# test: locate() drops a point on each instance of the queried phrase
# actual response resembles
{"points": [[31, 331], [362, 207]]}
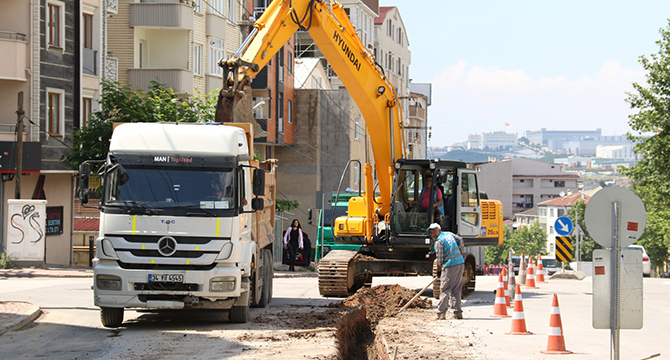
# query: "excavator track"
{"points": [[336, 276]]}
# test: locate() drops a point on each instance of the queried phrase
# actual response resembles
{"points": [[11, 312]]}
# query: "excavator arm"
{"points": [[329, 26]]}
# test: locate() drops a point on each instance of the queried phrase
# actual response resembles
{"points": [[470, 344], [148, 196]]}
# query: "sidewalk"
{"points": [[16, 314]]}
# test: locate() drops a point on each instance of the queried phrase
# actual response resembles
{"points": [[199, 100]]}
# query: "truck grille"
{"points": [[166, 287], [169, 250]]}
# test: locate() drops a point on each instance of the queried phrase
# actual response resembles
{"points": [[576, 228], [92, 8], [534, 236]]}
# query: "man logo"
{"points": [[167, 246]]}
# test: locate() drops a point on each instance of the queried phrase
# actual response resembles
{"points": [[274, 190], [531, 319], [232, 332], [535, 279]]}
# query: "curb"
{"points": [[42, 274], [22, 320]]}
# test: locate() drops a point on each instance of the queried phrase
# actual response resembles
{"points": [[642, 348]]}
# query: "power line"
{"points": [[49, 135]]}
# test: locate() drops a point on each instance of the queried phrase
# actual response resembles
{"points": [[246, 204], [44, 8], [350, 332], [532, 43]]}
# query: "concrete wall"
{"points": [[496, 180]]}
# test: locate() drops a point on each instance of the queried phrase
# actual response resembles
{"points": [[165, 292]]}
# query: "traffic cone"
{"points": [[504, 274], [500, 307], [522, 270], [556, 343], [518, 319], [530, 279], [540, 270]]}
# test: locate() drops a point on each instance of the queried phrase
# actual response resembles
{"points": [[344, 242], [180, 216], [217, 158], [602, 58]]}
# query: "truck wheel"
{"points": [[468, 279], [265, 274], [111, 317], [239, 314]]}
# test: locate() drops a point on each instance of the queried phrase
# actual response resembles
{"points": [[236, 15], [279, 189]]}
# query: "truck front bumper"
{"points": [[220, 287]]}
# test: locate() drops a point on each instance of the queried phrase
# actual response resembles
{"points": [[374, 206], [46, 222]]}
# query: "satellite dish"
{"points": [[562, 193]]}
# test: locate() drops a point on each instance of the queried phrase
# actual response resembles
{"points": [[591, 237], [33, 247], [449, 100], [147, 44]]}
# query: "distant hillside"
{"points": [[467, 156]]}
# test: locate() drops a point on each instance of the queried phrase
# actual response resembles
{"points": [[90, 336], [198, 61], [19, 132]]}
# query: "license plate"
{"points": [[170, 278]]}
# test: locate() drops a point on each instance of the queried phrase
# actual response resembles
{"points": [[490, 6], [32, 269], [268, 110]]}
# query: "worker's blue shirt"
{"points": [[447, 250]]}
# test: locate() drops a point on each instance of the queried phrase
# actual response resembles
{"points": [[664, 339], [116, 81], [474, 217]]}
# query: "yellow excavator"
{"points": [[390, 224]]}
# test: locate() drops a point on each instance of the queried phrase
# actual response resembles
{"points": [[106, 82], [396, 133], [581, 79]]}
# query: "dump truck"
{"points": [[186, 220]]}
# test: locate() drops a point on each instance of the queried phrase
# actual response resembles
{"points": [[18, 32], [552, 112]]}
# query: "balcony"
{"points": [[90, 62], [179, 80], [417, 111], [162, 14], [13, 62]]}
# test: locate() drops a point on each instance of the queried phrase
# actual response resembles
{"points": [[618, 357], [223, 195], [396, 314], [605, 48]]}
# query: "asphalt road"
{"points": [[71, 328]]}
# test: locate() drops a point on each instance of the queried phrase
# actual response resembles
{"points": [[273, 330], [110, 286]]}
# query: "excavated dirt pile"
{"points": [[384, 300]]}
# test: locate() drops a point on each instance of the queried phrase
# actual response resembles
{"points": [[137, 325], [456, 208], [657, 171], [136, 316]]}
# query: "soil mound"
{"points": [[384, 300]]}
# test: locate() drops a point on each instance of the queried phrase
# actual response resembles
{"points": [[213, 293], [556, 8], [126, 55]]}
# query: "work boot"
{"points": [[441, 317]]}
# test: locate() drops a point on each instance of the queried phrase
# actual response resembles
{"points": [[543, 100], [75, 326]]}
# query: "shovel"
{"points": [[416, 296]]}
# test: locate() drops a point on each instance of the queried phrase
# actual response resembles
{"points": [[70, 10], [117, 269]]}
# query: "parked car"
{"points": [[551, 265], [646, 262]]}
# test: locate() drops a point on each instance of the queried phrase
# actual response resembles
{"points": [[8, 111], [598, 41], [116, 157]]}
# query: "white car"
{"points": [[646, 263]]}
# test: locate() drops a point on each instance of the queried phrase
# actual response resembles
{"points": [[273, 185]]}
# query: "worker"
{"points": [[448, 252], [424, 198]]}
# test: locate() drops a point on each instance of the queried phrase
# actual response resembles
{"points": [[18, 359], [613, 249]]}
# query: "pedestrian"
{"points": [[293, 241], [450, 266], [307, 252]]}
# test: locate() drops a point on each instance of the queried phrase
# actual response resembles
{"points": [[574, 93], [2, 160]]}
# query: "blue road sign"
{"points": [[563, 226]]}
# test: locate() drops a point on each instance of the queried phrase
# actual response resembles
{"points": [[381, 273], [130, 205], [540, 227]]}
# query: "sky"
{"points": [[518, 65]]}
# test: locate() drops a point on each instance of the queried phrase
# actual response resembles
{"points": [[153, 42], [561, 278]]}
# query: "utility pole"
{"points": [[19, 145]]}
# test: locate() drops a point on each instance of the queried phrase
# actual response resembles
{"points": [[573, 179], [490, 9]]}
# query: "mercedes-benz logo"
{"points": [[167, 246]]}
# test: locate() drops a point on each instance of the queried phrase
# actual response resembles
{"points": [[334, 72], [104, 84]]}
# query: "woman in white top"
{"points": [[293, 241]]}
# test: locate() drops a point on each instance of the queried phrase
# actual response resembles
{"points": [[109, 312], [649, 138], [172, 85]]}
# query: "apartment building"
{"points": [[521, 184], [416, 133], [51, 51]]}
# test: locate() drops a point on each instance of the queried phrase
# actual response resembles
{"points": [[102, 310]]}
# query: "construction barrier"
{"points": [[493, 269]]}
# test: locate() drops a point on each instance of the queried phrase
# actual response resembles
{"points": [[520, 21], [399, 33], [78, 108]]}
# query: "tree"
{"points": [[530, 240], [587, 244], [497, 255], [120, 104], [650, 133]]}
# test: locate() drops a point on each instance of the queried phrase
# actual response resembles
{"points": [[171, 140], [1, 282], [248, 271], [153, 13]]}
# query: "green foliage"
{"points": [[286, 205], [530, 240], [587, 244], [497, 255], [6, 262], [650, 133], [120, 104]]}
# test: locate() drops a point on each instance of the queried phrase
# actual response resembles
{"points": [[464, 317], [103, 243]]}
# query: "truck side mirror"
{"points": [[309, 216], [259, 182], [257, 204], [84, 171]]}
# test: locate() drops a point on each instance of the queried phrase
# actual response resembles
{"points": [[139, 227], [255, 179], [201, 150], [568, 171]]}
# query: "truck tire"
{"points": [[111, 317], [266, 273], [239, 314]]}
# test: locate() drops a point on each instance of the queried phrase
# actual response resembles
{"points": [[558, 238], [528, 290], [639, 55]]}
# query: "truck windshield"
{"points": [[155, 189]]}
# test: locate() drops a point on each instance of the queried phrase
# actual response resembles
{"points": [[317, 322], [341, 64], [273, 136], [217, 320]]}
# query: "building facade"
{"points": [[549, 211], [521, 184], [416, 133]]}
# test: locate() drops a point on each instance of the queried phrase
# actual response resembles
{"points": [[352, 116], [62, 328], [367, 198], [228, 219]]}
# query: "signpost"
{"points": [[563, 226], [624, 226], [564, 248]]}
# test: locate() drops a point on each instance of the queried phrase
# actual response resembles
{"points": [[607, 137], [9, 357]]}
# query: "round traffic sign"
{"points": [[632, 215], [563, 226]]}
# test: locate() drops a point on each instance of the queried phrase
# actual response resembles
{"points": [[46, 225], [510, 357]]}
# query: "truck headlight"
{"points": [[108, 282], [221, 284]]}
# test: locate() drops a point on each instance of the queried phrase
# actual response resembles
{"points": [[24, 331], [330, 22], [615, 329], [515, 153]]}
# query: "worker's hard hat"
{"points": [[434, 226]]}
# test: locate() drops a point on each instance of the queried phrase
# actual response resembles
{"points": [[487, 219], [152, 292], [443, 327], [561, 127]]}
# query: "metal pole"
{"points": [[323, 209], [90, 251], [578, 251], [19, 145], [614, 308]]}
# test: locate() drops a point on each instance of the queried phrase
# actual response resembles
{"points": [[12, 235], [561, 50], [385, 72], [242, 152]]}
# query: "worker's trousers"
{"points": [[450, 289]]}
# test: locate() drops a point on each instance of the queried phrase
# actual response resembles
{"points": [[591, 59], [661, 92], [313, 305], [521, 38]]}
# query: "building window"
{"points": [[216, 53], [559, 183], [55, 23], [399, 67], [289, 65], [389, 28], [55, 108], [280, 65], [197, 5], [86, 110], [551, 212], [289, 111], [217, 7], [357, 173], [280, 113], [231, 10], [197, 59], [88, 31], [357, 127], [142, 54]]}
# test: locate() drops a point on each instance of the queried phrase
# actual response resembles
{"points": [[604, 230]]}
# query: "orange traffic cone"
{"points": [[500, 307], [504, 274], [518, 319], [540, 270], [556, 343], [522, 270], [530, 279]]}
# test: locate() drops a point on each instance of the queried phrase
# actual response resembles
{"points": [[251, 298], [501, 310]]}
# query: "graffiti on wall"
{"points": [[27, 219]]}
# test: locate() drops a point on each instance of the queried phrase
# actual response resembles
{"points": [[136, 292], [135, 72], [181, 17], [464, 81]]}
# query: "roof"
{"points": [[568, 200], [576, 176], [530, 212], [86, 224], [382, 14]]}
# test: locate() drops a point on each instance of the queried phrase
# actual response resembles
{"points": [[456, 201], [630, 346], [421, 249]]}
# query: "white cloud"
{"points": [[475, 99]]}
